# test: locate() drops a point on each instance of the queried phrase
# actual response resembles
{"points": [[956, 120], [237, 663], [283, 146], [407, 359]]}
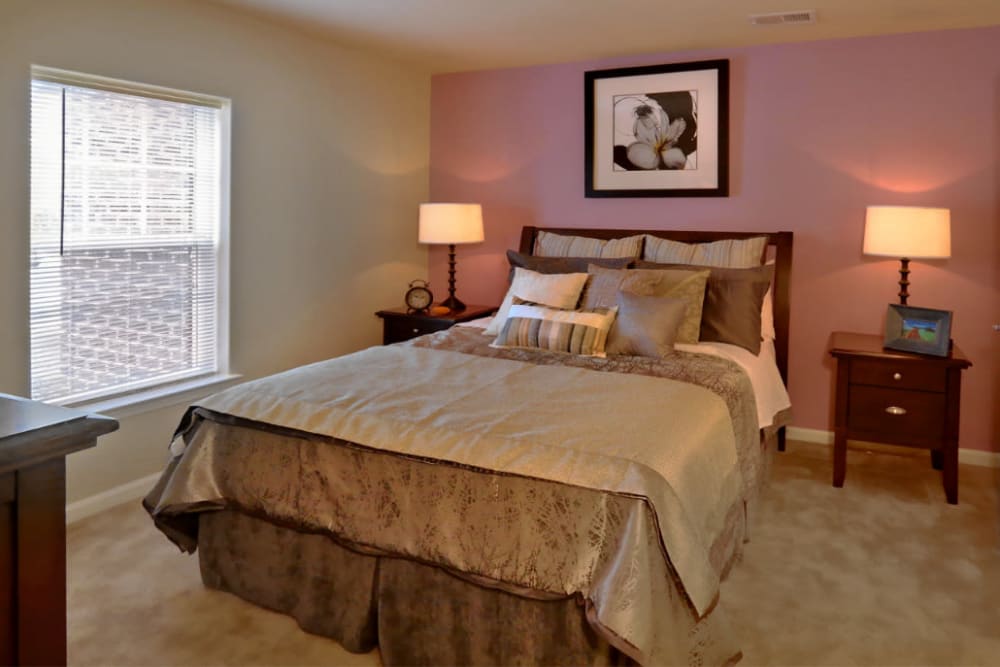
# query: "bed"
{"points": [[455, 502]]}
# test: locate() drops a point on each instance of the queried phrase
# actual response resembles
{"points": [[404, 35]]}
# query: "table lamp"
{"points": [[907, 232], [451, 224]]}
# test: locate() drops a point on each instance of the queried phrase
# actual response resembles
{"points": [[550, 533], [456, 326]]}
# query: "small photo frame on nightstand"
{"points": [[920, 330]]}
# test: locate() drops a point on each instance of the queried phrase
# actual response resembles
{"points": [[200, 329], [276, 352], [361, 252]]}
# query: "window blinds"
{"points": [[125, 238]]}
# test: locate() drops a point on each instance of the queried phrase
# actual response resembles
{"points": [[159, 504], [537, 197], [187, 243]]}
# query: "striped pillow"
{"points": [[548, 244], [583, 332], [731, 253]]}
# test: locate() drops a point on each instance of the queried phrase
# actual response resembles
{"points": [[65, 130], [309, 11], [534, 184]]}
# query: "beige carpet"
{"points": [[881, 572]]}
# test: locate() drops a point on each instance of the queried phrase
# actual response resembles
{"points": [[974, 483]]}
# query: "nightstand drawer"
{"points": [[399, 329], [898, 374], [896, 413]]}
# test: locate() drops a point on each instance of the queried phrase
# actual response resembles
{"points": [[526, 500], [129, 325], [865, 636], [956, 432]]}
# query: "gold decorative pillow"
{"points": [[684, 284]]}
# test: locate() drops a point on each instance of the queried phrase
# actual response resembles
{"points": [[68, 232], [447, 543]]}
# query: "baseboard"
{"points": [[104, 500], [974, 457]]}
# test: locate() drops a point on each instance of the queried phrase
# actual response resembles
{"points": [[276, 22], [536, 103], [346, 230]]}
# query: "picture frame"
{"points": [[657, 131], [920, 330]]}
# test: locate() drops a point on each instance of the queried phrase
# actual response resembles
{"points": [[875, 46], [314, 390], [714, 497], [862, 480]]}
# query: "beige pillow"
{"points": [[646, 325], [559, 290], [732, 253], [684, 284], [548, 244]]}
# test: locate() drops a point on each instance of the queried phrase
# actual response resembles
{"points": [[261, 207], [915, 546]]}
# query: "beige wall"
{"points": [[329, 161]]}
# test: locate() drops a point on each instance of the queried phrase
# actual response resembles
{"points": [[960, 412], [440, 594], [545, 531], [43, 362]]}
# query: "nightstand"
{"points": [[398, 324], [898, 398]]}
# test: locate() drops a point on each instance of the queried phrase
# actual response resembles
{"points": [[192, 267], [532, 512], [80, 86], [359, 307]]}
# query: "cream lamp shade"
{"points": [[451, 223], [908, 231]]}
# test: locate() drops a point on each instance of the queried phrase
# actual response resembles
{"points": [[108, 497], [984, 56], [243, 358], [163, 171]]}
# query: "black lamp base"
{"points": [[453, 304], [904, 283]]}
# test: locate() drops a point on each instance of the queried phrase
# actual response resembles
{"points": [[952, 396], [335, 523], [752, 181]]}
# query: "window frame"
{"points": [[174, 391]]}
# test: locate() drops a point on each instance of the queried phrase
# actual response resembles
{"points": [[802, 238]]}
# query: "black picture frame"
{"points": [[920, 330], [652, 99]]}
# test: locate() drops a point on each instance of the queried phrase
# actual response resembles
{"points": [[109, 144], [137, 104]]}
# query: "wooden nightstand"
{"points": [[898, 398], [398, 324]]}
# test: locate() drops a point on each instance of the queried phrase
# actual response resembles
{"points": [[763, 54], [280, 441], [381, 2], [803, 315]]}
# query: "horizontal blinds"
{"points": [[125, 221]]}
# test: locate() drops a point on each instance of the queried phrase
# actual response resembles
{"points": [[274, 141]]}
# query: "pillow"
{"points": [[767, 331], [583, 332], [561, 290], [646, 326], [687, 284], [767, 313], [548, 244], [562, 264], [734, 299], [732, 253]]}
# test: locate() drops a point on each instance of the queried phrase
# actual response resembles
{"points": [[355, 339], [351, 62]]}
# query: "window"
{"points": [[128, 236]]}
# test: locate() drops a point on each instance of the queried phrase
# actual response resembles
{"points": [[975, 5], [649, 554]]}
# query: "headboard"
{"points": [[779, 242]]}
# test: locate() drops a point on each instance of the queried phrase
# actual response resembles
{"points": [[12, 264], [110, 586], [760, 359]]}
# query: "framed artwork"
{"points": [[922, 330], [657, 131]]}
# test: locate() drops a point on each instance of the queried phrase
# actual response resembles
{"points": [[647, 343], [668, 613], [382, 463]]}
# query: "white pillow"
{"points": [[729, 253], [548, 244], [559, 290], [767, 316]]}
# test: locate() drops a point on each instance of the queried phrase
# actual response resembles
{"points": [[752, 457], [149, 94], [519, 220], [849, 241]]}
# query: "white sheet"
{"points": [[762, 369]]}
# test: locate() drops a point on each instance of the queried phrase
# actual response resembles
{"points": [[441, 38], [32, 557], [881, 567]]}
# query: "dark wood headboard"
{"points": [[780, 242]]}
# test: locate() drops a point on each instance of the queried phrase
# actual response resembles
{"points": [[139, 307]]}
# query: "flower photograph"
{"points": [[656, 130]]}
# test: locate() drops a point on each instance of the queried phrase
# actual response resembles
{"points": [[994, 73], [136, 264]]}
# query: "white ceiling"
{"points": [[456, 35]]}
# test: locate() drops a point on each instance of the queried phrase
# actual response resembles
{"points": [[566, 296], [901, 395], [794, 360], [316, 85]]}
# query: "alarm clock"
{"points": [[419, 297]]}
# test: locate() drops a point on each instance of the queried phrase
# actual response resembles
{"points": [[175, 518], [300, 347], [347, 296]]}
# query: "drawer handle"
{"points": [[897, 376], [416, 331], [894, 410]]}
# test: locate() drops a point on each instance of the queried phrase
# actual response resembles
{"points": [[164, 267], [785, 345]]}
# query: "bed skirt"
{"points": [[416, 614]]}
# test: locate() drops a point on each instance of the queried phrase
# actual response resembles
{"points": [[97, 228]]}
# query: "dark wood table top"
{"points": [[470, 313], [870, 345], [31, 432]]}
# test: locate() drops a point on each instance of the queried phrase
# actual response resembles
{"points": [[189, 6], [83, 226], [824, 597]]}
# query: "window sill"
{"points": [[159, 397]]}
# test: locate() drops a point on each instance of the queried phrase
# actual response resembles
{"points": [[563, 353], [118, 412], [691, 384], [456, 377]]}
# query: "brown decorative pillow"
{"points": [[733, 300], [687, 284], [646, 325], [552, 265]]}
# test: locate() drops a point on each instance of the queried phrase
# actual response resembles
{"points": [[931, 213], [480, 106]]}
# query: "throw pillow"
{"points": [[560, 290], [646, 326], [732, 253], [548, 244], [583, 332]]}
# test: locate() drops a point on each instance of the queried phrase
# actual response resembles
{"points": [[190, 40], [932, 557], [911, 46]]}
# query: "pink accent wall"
{"points": [[818, 130]]}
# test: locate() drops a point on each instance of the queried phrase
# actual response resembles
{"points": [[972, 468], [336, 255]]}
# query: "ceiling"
{"points": [[457, 35]]}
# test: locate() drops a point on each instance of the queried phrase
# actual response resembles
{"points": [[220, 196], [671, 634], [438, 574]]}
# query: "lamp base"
{"points": [[904, 283], [453, 304]]}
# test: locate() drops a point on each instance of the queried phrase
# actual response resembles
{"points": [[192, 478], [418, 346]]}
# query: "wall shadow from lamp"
{"points": [[905, 233], [451, 224]]}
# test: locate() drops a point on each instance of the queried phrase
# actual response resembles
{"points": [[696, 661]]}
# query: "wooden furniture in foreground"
{"points": [[34, 441], [399, 324], [898, 398]]}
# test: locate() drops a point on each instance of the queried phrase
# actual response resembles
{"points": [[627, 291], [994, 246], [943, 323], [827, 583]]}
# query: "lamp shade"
{"points": [[451, 223], [907, 231]]}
